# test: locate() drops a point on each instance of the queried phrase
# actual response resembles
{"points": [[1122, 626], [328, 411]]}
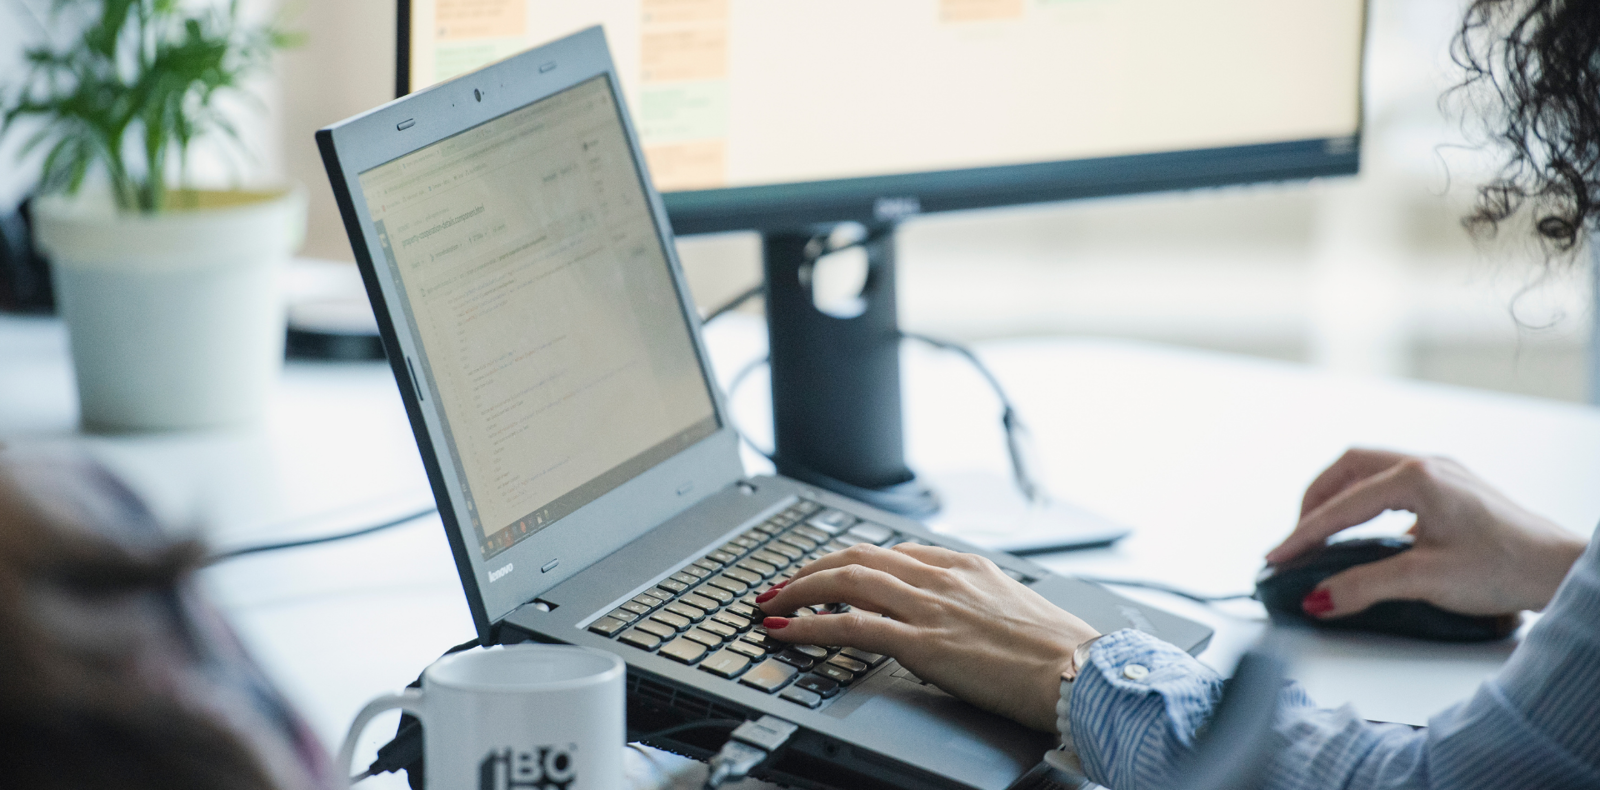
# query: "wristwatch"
{"points": [[1080, 656]]}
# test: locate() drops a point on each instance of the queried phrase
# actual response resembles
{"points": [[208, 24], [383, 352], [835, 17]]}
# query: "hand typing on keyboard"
{"points": [[955, 620]]}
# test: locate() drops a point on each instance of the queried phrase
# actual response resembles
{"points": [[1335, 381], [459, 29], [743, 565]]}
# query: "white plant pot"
{"points": [[176, 320]]}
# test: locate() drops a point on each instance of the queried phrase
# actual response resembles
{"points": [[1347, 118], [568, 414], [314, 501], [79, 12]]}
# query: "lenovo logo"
{"points": [[496, 575]]}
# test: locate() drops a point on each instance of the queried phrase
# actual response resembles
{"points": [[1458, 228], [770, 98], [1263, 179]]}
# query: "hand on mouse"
{"points": [[1476, 552], [955, 620]]}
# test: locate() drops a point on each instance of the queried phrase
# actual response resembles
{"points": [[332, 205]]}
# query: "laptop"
{"points": [[523, 274]]}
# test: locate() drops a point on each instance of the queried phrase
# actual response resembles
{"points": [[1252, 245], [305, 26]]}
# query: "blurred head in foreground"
{"points": [[112, 672]]}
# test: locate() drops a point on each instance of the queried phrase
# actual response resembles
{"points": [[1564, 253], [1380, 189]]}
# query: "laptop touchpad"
{"points": [[896, 714]]}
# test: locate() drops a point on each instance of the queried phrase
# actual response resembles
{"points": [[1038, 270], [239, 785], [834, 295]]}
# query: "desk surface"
{"points": [[1204, 454]]}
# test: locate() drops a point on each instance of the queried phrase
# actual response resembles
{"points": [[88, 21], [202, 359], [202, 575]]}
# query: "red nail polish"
{"points": [[767, 596], [1318, 603], [781, 585], [775, 623]]}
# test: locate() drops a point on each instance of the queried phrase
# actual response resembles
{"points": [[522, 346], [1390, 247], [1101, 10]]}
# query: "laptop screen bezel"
{"points": [[541, 561]]}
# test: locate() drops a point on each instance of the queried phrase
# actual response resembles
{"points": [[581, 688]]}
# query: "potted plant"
{"points": [[170, 293]]}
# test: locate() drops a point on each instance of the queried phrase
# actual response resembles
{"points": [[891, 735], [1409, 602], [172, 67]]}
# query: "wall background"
{"points": [[1370, 275]]}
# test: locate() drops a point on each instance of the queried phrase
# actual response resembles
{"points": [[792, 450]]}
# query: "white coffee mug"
{"points": [[523, 717]]}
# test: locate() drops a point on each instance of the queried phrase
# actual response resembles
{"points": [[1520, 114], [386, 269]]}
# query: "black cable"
{"points": [[1009, 419], [733, 386], [733, 304], [1166, 588], [294, 544]]}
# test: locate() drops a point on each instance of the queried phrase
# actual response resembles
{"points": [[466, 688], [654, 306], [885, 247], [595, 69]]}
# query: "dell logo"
{"points": [[890, 209], [496, 575]]}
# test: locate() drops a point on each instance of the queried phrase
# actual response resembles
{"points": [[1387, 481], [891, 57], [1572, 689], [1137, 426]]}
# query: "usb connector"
{"points": [[748, 747]]}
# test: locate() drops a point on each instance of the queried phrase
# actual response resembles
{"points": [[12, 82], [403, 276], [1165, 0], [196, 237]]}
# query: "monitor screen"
{"points": [[544, 308], [758, 97]]}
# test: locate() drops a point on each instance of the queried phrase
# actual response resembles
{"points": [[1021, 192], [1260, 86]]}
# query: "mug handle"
{"points": [[408, 700]]}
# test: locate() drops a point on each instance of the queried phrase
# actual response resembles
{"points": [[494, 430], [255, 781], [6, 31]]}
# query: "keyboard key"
{"points": [[837, 674], [607, 626], [716, 593], [771, 527], [677, 621], [683, 649], [770, 557], [657, 592], [747, 649], [636, 607], [725, 663], [720, 629], [698, 601], [722, 557], [816, 536], [787, 550], [685, 578], [704, 637], [761, 640], [648, 600], [749, 578], [848, 663], [674, 586], [623, 614], [746, 611], [796, 660], [694, 613], [800, 696], [637, 638], [847, 540], [873, 533], [769, 676], [816, 684], [757, 569], [750, 601], [813, 651], [728, 582], [870, 659], [905, 674], [696, 571], [709, 564], [755, 535], [733, 549], [732, 620], [832, 522], [805, 507], [837, 545], [658, 628]]}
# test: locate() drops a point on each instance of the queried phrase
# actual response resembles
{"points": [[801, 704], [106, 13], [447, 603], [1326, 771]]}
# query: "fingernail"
{"points": [[775, 623], [767, 596], [1318, 603], [781, 585]]}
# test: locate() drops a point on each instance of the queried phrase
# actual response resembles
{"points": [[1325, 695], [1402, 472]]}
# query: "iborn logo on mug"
{"points": [[560, 706], [540, 768]]}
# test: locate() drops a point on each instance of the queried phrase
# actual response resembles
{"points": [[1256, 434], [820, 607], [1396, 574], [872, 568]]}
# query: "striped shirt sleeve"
{"points": [[1136, 707]]}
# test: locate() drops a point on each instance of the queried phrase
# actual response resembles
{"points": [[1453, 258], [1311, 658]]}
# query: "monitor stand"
{"points": [[837, 421], [836, 381]]}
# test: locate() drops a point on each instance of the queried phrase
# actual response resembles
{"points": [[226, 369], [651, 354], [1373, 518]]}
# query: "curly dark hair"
{"points": [[1540, 62]]}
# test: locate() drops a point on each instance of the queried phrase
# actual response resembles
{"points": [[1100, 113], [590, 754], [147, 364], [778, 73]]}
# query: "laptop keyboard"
{"points": [[705, 615]]}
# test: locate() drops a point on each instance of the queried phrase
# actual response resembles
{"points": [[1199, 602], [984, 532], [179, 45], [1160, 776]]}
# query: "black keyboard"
{"points": [[705, 614]]}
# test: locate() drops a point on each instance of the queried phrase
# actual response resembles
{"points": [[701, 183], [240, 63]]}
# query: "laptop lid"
{"points": [[535, 316]]}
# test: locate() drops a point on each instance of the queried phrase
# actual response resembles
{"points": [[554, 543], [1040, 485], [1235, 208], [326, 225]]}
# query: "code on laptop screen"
{"points": [[537, 288]]}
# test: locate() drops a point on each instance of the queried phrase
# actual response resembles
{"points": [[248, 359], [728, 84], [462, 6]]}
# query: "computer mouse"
{"points": [[1283, 587]]}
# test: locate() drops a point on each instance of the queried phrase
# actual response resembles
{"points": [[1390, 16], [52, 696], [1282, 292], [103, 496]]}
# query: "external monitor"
{"points": [[777, 114], [790, 116]]}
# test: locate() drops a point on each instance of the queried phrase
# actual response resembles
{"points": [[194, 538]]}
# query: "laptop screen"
{"points": [[545, 309]]}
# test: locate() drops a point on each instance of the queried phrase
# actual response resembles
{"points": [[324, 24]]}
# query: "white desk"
{"points": [[1204, 454]]}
